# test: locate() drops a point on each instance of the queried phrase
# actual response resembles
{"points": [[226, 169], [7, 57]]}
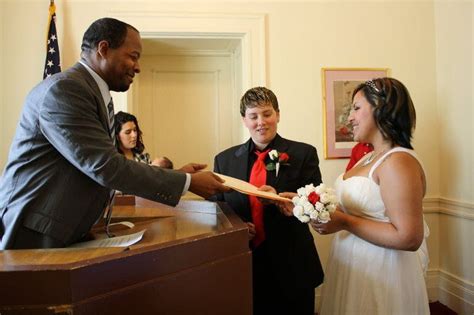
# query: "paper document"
{"points": [[249, 189], [118, 241]]}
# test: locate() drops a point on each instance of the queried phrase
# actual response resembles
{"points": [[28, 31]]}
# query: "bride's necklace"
{"points": [[372, 156]]}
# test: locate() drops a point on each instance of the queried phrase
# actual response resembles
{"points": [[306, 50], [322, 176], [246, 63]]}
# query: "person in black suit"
{"points": [[286, 266]]}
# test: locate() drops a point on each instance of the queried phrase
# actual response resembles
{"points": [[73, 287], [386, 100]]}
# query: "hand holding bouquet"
{"points": [[314, 203]]}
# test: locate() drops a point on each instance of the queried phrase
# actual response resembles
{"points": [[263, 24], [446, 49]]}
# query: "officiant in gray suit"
{"points": [[63, 165]]}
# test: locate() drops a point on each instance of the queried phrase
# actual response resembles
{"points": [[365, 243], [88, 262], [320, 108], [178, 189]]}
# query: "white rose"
{"points": [[331, 207], [324, 217], [301, 191], [314, 215], [319, 206], [308, 189], [304, 219], [308, 207], [333, 199], [298, 211], [303, 200], [324, 198], [273, 154], [320, 189], [295, 200]]}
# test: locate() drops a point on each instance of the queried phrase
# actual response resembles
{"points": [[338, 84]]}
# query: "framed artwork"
{"points": [[338, 85]]}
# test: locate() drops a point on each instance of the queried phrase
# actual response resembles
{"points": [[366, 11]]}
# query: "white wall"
{"points": [[426, 44], [454, 51], [455, 131]]}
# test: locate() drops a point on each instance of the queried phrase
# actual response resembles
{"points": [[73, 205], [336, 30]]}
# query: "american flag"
{"points": [[52, 64]]}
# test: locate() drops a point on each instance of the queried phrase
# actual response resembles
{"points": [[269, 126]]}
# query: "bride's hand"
{"points": [[334, 225]]}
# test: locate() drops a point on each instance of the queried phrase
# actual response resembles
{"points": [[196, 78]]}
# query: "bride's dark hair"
{"points": [[394, 112]]}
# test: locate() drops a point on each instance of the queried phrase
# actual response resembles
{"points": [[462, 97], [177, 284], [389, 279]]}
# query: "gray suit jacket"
{"points": [[62, 163]]}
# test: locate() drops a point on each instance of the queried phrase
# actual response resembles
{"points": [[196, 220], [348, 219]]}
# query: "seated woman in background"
{"points": [[129, 141]]}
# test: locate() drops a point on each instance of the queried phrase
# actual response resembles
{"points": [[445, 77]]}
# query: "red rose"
{"points": [[313, 197], [283, 157]]}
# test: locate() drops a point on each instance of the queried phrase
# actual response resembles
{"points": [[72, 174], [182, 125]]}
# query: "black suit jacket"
{"points": [[292, 255]]}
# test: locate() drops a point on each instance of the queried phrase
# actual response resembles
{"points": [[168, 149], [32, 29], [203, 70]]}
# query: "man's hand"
{"points": [[206, 184], [286, 208], [252, 231], [270, 189], [192, 168]]}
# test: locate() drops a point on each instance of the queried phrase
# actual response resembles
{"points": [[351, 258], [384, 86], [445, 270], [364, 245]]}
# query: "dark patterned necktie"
{"points": [[258, 177], [111, 114]]}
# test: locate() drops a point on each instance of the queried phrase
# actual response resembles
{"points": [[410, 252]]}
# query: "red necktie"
{"points": [[258, 177]]}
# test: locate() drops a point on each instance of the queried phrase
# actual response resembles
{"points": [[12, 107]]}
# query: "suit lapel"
{"points": [[101, 106], [281, 145], [240, 168]]}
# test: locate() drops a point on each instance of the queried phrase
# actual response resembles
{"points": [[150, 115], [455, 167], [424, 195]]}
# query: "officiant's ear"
{"points": [[102, 48]]}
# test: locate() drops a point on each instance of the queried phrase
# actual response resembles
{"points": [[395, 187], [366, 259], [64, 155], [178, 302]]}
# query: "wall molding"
{"points": [[456, 293], [450, 207], [248, 28]]}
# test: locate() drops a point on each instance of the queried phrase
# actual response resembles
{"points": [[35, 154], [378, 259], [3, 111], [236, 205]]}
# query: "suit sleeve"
{"points": [[69, 118], [310, 172]]}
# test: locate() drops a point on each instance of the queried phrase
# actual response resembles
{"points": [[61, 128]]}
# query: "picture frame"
{"points": [[338, 85]]}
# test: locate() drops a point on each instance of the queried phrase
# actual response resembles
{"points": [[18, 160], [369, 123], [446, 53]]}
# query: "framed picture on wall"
{"points": [[338, 85]]}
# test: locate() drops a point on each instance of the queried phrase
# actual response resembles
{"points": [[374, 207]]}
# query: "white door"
{"points": [[184, 106]]}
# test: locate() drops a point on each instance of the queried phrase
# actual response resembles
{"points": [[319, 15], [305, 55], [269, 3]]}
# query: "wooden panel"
{"points": [[156, 275]]}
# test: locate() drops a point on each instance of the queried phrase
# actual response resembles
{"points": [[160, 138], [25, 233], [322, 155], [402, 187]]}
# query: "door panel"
{"points": [[184, 107]]}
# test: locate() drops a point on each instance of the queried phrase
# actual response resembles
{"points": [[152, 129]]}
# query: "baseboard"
{"points": [[450, 290]]}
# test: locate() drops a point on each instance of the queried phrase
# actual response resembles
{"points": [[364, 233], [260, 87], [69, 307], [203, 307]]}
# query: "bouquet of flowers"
{"points": [[314, 203]]}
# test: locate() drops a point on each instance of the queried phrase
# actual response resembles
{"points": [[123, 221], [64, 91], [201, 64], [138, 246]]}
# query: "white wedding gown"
{"points": [[363, 278]]}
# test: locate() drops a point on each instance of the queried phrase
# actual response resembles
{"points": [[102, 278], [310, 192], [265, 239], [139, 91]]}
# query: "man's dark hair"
{"points": [[111, 30], [258, 96]]}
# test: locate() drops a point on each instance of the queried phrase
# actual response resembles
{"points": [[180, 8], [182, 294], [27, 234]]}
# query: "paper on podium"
{"points": [[118, 241], [249, 189]]}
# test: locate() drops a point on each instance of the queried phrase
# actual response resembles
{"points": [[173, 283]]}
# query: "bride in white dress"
{"points": [[378, 255]]}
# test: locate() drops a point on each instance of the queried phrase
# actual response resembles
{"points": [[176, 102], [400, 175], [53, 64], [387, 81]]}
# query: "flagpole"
{"points": [[52, 10]]}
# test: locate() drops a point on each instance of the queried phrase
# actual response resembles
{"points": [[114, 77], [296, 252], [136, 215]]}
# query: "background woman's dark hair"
{"points": [[394, 112], [111, 30], [258, 96], [122, 118]]}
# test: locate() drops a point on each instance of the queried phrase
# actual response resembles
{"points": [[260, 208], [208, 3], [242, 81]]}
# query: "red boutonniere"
{"points": [[277, 159]]}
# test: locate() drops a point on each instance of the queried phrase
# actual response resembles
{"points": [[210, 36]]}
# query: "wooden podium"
{"points": [[193, 259]]}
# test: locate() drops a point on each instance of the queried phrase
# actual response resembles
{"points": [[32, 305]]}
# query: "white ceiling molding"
{"points": [[250, 29]]}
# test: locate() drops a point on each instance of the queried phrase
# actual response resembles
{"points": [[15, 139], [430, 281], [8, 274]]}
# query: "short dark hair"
{"points": [[394, 112], [111, 30], [120, 119], [258, 96]]}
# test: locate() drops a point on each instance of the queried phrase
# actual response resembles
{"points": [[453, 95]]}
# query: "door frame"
{"points": [[248, 28]]}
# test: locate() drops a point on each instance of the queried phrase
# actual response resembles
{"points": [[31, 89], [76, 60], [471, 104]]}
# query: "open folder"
{"points": [[249, 189]]}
